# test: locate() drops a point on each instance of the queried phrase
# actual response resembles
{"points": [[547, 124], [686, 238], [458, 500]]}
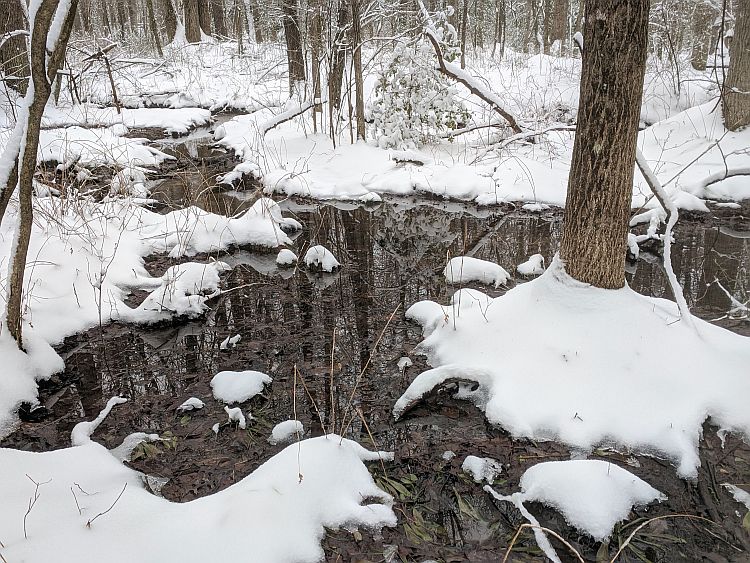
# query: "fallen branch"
{"points": [[459, 75], [291, 113], [672, 215]]}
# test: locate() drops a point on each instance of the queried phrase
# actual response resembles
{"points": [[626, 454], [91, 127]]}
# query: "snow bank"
{"points": [[183, 292], [177, 121], [557, 359], [278, 513], [592, 495], [238, 386], [286, 258], [463, 269], [285, 431]]}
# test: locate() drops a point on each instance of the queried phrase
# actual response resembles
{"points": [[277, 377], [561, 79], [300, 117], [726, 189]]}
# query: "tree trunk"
{"points": [[316, 45], [357, 60], [294, 54], [464, 15], [204, 16], [257, 28], [43, 70], [14, 58], [600, 185], [154, 27], [736, 95], [701, 35], [336, 65], [217, 15], [192, 23], [170, 19]]}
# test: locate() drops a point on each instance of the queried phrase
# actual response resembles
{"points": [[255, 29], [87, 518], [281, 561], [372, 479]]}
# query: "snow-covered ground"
{"points": [[559, 360]]}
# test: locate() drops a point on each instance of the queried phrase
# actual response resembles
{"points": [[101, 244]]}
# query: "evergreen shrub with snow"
{"points": [[413, 103]]}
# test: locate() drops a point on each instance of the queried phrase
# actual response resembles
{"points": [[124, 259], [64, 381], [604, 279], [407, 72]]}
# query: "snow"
{"points": [[238, 386], [534, 266], [319, 258], [463, 269], [286, 258], [592, 495], [286, 431], [557, 359], [191, 404], [278, 513], [183, 292], [403, 363], [235, 415], [230, 342], [174, 121], [481, 468], [740, 495]]}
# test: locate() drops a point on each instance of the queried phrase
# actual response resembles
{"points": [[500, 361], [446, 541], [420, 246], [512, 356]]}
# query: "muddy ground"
{"points": [[331, 328]]}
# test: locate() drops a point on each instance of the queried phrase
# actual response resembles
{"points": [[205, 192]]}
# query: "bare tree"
{"points": [[218, 18], [23, 146], [601, 173], [736, 94], [702, 34], [204, 16]]}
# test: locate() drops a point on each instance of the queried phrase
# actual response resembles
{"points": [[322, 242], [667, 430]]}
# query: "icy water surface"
{"points": [[332, 343]]}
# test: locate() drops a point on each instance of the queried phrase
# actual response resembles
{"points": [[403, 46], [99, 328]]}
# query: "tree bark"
{"points": [[154, 27], [736, 94], [702, 34], [170, 19], [192, 22], [336, 64], [464, 22], [204, 16], [359, 104], [217, 15], [294, 54], [601, 174], [14, 58]]}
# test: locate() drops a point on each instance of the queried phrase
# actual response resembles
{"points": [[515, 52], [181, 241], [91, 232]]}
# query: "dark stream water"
{"points": [[332, 328]]}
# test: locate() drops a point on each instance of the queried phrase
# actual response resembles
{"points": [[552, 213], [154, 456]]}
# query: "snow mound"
{"points": [[183, 291], [192, 404], [285, 431], [534, 266], [481, 468], [462, 269], [230, 342], [235, 415], [592, 495], [320, 258], [278, 513], [286, 258], [557, 359], [238, 386]]}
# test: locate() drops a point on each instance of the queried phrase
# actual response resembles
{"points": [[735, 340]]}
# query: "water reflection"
{"points": [[392, 256]]}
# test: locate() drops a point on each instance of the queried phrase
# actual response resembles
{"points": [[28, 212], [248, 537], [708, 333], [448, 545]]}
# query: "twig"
{"points": [[88, 524], [647, 522], [542, 528], [32, 501]]}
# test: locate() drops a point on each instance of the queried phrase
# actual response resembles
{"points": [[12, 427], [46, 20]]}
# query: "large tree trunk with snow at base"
{"points": [[736, 96], [601, 173]]}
